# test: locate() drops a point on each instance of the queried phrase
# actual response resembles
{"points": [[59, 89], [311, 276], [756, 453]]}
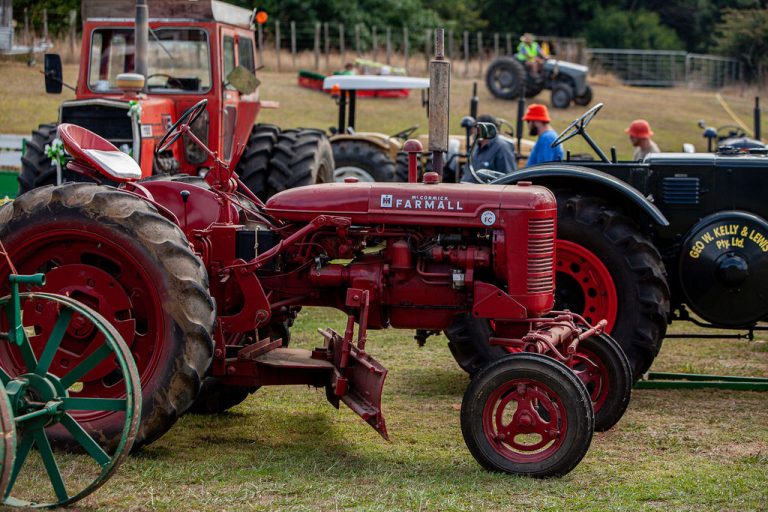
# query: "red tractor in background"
{"points": [[203, 281], [137, 77]]}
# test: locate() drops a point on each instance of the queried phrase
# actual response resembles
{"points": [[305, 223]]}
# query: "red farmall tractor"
{"points": [[136, 77], [203, 282]]}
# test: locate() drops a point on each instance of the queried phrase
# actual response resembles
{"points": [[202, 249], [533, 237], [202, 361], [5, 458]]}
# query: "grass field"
{"points": [[287, 449], [673, 113]]}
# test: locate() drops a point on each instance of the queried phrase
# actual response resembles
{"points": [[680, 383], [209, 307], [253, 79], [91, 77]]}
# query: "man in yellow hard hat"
{"points": [[530, 54]]}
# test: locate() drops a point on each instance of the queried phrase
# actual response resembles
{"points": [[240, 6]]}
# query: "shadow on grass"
{"points": [[431, 381]]}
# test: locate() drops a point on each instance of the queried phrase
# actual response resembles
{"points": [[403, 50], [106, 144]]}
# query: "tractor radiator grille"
{"points": [[680, 190], [110, 122], [541, 251]]}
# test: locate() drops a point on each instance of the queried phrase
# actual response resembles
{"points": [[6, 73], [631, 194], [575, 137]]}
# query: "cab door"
{"points": [[230, 96]]}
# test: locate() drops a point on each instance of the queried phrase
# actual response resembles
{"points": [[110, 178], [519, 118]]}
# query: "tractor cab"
{"points": [[191, 51]]}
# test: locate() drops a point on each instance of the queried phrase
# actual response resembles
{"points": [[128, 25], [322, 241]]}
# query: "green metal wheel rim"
{"points": [[31, 420], [8, 443]]}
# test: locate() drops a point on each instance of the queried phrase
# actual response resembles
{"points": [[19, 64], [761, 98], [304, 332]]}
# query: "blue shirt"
{"points": [[542, 152], [498, 155]]}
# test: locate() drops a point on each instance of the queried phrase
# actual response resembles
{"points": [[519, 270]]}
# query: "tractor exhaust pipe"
{"points": [[757, 118], [141, 38], [439, 102]]}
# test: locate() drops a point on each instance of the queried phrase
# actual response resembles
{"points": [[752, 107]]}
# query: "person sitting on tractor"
{"points": [[538, 120], [496, 154], [530, 54], [640, 134]]}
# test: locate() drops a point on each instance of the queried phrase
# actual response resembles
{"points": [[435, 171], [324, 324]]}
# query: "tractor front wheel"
{"points": [[37, 169], [115, 253], [527, 414]]}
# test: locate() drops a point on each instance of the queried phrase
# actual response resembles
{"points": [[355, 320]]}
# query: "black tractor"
{"points": [[642, 243]]}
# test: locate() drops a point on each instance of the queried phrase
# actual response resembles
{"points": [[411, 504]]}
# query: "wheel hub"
{"points": [[98, 290]]}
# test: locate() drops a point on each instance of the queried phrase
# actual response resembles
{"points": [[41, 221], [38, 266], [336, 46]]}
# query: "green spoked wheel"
{"points": [[8, 441], [46, 396]]}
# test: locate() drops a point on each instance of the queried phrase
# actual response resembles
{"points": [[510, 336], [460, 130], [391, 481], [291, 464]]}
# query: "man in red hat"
{"points": [[538, 120], [640, 134]]}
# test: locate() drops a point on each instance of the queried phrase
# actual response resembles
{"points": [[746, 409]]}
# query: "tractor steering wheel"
{"points": [[404, 134], [730, 131], [182, 125], [578, 125]]}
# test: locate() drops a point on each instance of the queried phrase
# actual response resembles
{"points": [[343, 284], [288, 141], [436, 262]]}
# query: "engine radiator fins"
{"points": [[541, 250], [680, 190]]}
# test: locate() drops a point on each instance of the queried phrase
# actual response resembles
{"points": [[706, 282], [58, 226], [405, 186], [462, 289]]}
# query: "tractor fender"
{"points": [[382, 140], [584, 178]]}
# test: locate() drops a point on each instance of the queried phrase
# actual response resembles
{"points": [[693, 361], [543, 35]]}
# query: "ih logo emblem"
{"points": [[386, 200]]}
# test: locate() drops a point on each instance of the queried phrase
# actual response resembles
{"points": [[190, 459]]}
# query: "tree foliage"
{"points": [[640, 29], [743, 34]]}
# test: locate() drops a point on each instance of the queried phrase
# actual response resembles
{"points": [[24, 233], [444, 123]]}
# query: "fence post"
{"points": [[317, 46], [277, 43], [374, 43], [342, 46], [480, 54], [293, 43], [260, 40], [466, 54], [428, 47], [389, 46], [327, 46], [72, 30], [495, 45], [509, 43], [45, 25], [357, 40], [406, 47], [450, 44]]}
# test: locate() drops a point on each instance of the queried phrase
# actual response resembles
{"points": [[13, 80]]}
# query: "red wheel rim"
{"points": [[93, 266], [584, 285], [591, 370], [524, 421]]}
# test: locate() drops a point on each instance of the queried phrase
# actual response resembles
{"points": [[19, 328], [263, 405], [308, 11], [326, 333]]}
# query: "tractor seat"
{"points": [[89, 149]]}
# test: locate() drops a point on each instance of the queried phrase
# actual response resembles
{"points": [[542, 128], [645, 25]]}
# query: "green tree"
{"points": [[640, 29], [743, 34], [58, 13]]}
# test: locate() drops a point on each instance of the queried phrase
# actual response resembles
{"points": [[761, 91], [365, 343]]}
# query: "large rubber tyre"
{"points": [[562, 95], [37, 169], [253, 167], [608, 269], [362, 160], [584, 99], [603, 368], [548, 400], [114, 252], [533, 85], [468, 341], [301, 157], [505, 78], [401, 168]]}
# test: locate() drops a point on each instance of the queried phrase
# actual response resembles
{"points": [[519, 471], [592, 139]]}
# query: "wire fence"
{"points": [[325, 47], [666, 68]]}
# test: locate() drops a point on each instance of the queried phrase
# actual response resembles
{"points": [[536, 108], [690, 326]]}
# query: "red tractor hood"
{"points": [[444, 204]]}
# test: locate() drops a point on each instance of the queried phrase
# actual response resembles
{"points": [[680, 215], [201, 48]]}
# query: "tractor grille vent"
{"points": [[680, 190], [541, 251]]}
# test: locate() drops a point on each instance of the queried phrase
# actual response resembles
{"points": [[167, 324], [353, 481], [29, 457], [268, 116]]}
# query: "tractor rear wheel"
{"points": [[253, 167], [115, 253], [505, 78], [362, 160], [606, 268], [468, 341], [36, 166], [301, 157]]}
